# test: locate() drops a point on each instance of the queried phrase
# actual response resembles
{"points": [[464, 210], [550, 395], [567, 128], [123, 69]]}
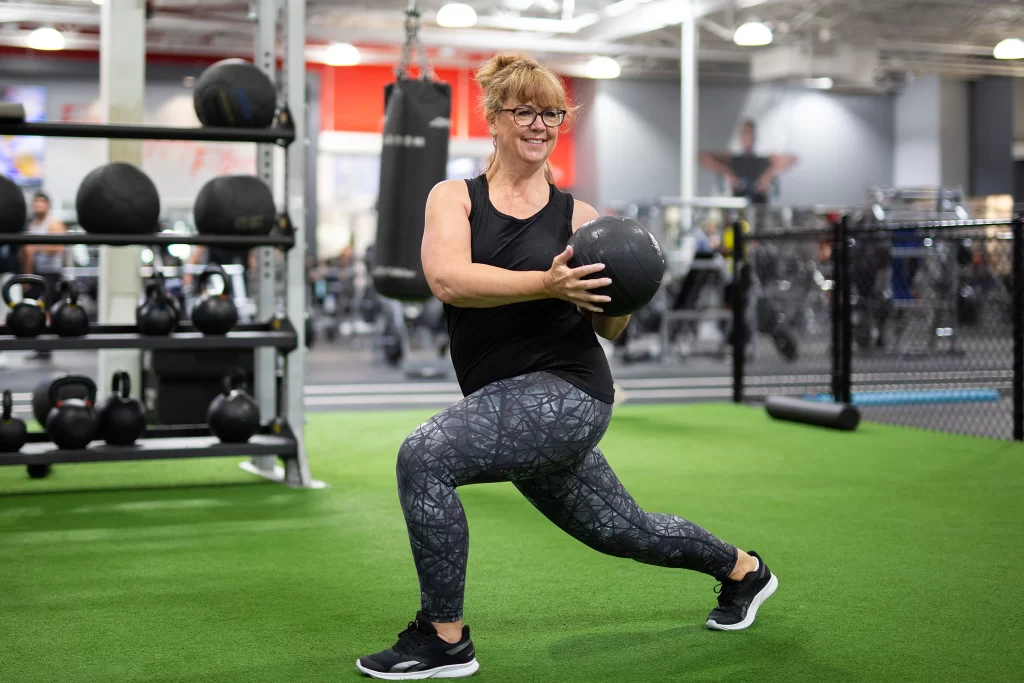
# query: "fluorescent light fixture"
{"points": [[456, 15], [97, 2], [1011, 48], [603, 67], [752, 34], [46, 38], [824, 83], [342, 54]]}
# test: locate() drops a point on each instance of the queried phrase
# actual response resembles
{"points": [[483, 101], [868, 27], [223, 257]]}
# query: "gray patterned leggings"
{"points": [[541, 433]]}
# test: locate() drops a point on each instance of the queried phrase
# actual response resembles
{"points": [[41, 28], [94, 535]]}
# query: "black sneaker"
{"points": [[738, 600], [421, 653]]}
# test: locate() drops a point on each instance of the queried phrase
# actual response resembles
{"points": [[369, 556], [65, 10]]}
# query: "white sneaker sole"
{"points": [[452, 671], [765, 593]]}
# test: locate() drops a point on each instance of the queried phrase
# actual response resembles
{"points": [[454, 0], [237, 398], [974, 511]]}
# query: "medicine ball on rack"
{"points": [[632, 257], [118, 199], [234, 93], [13, 210], [235, 205]]}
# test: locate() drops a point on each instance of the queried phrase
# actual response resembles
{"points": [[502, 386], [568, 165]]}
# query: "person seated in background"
{"points": [[748, 174], [45, 260]]}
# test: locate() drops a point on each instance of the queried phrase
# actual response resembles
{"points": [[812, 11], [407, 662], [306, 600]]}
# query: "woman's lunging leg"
{"points": [[522, 427], [589, 503]]}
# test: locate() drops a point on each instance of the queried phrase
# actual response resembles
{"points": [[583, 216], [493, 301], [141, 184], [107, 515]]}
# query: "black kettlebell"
{"points": [[120, 418], [26, 318], [233, 415], [157, 315], [12, 429], [214, 313], [72, 421], [67, 318]]}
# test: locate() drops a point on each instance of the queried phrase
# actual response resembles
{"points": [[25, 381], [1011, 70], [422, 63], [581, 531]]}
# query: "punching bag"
{"points": [[417, 122]]}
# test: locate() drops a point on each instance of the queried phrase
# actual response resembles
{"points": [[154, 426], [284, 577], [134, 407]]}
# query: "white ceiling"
{"points": [[953, 37]]}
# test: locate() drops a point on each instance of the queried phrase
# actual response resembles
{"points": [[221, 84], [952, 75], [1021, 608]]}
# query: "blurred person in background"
{"points": [[748, 174], [45, 260]]}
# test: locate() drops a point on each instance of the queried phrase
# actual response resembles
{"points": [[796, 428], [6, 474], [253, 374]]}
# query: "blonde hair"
{"points": [[517, 76]]}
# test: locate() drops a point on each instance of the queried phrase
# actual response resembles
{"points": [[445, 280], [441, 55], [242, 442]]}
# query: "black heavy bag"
{"points": [[13, 210], [417, 120]]}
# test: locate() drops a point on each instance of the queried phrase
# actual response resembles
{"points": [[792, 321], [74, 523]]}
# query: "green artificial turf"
{"points": [[898, 553]]}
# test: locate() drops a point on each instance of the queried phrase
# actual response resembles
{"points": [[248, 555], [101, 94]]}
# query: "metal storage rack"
{"points": [[280, 343]]}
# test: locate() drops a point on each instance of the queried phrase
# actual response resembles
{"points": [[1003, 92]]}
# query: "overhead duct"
{"points": [[849, 67]]}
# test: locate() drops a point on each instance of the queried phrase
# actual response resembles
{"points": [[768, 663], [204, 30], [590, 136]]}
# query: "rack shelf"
{"points": [[274, 136], [125, 337], [285, 241], [44, 452]]}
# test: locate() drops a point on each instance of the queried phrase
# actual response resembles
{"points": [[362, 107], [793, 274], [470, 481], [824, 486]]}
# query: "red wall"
{"points": [[352, 99]]}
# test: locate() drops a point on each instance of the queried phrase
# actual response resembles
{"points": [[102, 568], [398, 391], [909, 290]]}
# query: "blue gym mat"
{"points": [[902, 398]]}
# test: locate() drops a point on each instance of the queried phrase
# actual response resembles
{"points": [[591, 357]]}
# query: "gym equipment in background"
{"points": [[120, 418], [233, 416], [214, 313], [157, 315], [13, 432], [41, 396], [72, 421], [417, 126], [908, 397], [26, 318], [235, 205], [834, 415], [118, 199], [234, 93], [13, 210], [632, 257], [67, 318]]}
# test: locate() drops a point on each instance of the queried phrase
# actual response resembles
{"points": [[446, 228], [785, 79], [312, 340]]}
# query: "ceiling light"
{"points": [[752, 34], [456, 15], [97, 2], [824, 83], [342, 54], [46, 38], [1011, 48], [603, 67]]}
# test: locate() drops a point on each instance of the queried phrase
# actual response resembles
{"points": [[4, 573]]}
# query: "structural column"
{"points": [[688, 115], [122, 89]]}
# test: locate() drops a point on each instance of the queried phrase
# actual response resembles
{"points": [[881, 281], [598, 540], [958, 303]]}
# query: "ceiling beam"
{"points": [[651, 16]]}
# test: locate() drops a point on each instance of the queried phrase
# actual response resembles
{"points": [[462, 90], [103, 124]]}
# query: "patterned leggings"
{"points": [[541, 433]]}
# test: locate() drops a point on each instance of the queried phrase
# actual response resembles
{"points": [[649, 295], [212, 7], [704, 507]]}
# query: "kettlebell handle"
{"points": [[210, 271], [73, 380], [236, 380], [26, 280], [121, 384], [70, 288], [8, 405]]}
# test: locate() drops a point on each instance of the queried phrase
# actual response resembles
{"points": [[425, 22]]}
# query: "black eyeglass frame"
{"points": [[561, 116]]}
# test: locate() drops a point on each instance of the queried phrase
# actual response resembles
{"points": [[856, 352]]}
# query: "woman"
{"points": [[538, 390]]}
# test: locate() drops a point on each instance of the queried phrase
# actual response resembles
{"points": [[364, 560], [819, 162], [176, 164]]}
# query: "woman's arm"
{"points": [[448, 265], [605, 326]]}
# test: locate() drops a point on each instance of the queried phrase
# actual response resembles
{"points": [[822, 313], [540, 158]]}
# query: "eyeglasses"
{"points": [[524, 116]]}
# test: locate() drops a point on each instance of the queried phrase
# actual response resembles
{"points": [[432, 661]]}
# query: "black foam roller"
{"points": [[833, 415]]}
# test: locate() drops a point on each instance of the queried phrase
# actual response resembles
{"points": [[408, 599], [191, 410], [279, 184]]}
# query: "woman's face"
{"points": [[531, 143]]}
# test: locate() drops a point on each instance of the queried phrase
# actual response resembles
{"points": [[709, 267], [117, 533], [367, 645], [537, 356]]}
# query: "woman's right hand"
{"points": [[567, 284]]}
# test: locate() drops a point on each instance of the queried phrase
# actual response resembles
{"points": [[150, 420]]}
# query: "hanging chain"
{"points": [[413, 43]]}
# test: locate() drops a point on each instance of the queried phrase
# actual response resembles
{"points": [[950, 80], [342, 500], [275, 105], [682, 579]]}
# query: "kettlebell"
{"points": [[120, 418], [12, 429], [156, 315], [72, 421], [233, 415], [67, 318], [215, 313], [26, 318]]}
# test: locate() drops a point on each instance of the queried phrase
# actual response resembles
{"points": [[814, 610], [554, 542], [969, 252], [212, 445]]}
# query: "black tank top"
{"points": [[489, 344]]}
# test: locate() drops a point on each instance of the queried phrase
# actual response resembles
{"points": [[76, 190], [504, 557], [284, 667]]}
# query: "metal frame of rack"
{"points": [[280, 343]]}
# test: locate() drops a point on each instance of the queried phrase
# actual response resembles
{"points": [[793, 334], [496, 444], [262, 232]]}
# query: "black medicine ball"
{"points": [[235, 205], [234, 93], [632, 258], [13, 211], [118, 199]]}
